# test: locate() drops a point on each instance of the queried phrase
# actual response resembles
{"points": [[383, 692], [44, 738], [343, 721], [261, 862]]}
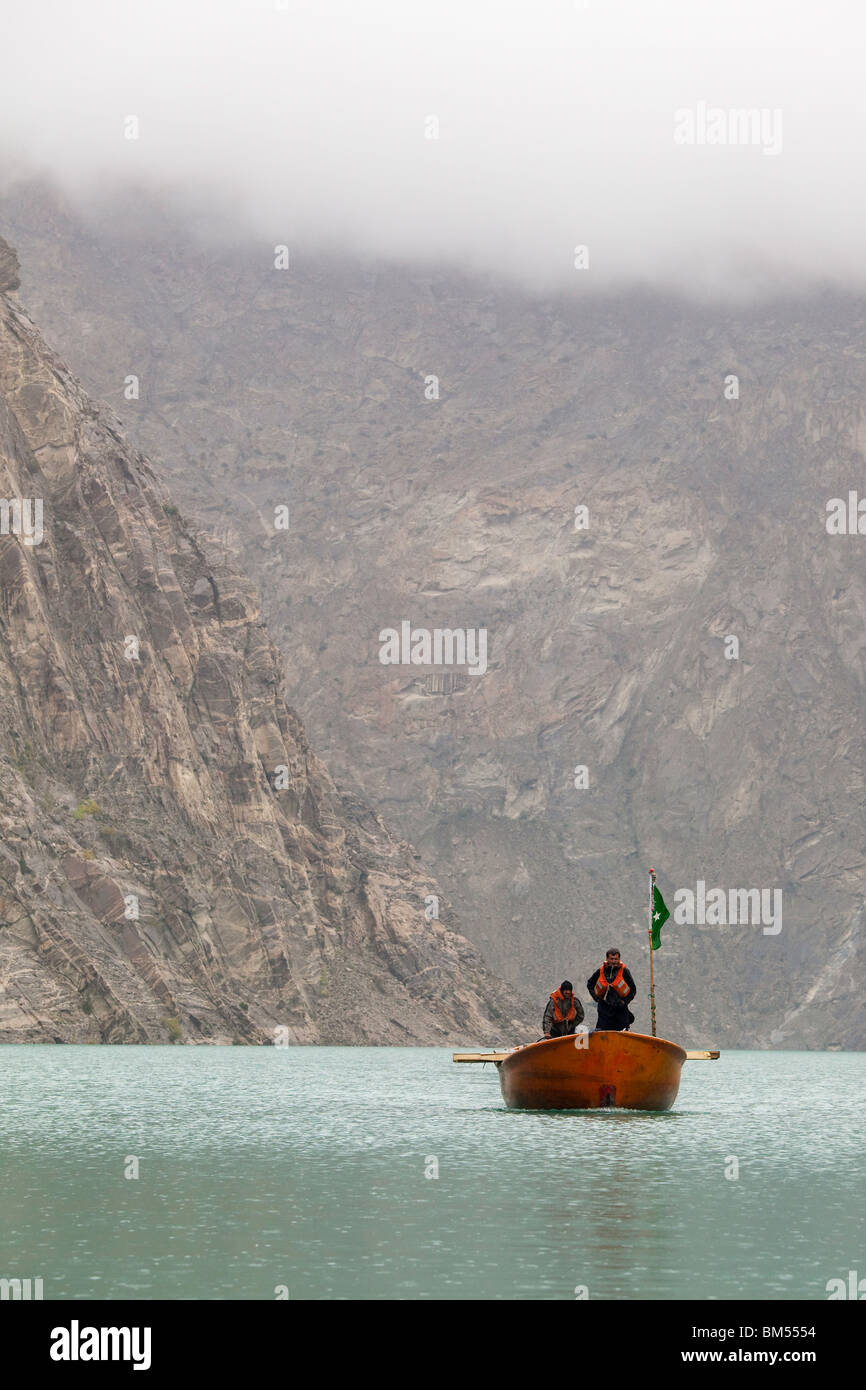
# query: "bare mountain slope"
{"points": [[176, 863], [608, 648]]}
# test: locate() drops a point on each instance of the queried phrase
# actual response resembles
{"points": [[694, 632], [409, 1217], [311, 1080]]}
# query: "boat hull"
{"points": [[622, 1071]]}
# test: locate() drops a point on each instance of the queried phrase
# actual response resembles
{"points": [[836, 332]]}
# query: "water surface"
{"points": [[305, 1168]]}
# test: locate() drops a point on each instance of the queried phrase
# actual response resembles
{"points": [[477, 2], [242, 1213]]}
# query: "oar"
{"points": [[701, 1055], [479, 1056]]}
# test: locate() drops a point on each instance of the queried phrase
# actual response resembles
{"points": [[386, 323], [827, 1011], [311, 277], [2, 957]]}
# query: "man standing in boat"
{"points": [[563, 1012], [613, 989]]}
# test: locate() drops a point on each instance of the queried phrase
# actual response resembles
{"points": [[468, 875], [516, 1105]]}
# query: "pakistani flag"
{"points": [[660, 916]]}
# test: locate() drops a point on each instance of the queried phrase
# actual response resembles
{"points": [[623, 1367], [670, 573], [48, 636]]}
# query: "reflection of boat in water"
{"points": [[590, 1071]]}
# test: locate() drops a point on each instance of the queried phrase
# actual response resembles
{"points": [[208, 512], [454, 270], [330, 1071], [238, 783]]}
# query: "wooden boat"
{"points": [[590, 1071]]}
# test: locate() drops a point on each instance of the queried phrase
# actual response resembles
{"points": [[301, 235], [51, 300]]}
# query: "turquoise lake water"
{"points": [[304, 1169]]}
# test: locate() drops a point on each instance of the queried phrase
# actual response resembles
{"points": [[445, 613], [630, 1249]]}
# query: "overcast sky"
{"points": [[561, 123]]}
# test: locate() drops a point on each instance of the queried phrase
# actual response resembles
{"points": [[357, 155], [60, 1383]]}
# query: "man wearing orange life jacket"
{"points": [[613, 989], [563, 1012]]}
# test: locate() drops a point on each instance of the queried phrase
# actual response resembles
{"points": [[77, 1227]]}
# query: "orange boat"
{"points": [[590, 1071]]}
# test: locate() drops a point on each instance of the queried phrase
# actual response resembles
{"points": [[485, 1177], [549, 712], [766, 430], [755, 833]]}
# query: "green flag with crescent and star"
{"points": [[660, 916]]}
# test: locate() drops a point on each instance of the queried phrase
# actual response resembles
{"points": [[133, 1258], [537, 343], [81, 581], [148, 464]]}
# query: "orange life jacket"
{"points": [[617, 984], [559, 1004]]}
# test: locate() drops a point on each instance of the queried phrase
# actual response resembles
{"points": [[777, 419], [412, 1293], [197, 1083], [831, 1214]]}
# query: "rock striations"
{"points": [[176, 865]]}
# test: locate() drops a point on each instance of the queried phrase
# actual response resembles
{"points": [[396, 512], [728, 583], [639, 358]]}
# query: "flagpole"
{"points": [[652, 879]]}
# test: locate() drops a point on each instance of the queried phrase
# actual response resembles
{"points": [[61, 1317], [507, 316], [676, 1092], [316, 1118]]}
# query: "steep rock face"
{"points": [[607, 645], [9, 277], [176, 863]]}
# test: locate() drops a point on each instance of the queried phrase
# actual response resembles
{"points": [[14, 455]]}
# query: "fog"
{"points": [[712, 149]]}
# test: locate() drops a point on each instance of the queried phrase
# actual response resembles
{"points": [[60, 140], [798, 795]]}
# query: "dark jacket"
{"points": [[558, 1030], [614, 1015]]}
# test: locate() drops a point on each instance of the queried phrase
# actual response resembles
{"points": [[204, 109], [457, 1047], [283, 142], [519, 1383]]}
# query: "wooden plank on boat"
{"points": [[479, 1056], [698, 1055]]}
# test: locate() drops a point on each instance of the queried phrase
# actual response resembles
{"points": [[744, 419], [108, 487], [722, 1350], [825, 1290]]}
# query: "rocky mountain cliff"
{"points": [[176, 865], [704, 445]]}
